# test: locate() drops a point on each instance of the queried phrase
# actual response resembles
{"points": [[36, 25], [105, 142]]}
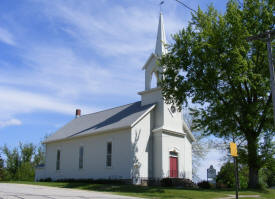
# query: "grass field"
{"points": [[154, 192]]}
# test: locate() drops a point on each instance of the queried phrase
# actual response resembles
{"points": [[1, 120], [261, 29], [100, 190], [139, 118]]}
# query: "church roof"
{"points": [[107, 120]]}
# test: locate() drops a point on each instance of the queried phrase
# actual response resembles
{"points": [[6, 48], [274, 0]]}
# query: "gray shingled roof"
{"points": [[119, 117]]}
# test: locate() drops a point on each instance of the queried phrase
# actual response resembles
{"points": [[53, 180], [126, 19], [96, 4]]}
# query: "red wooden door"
{"points": [[173, 167]]}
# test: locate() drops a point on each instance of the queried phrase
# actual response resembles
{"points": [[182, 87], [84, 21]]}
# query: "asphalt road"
{"points": [[21, 191]]}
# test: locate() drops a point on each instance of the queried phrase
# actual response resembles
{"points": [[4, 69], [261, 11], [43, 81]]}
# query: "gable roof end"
{"points": [[148, 61]]}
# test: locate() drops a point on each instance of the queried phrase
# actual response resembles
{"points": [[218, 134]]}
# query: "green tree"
{"points": [[26, 172], [26, 169], [267, 173], [27, 152], [21, 161], [226, 176], [1, 168], [12, 162], [211, 62], [39, 157]]}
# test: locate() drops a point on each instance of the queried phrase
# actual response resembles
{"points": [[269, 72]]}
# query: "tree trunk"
{"points": [[253, 178], [253, 162]]}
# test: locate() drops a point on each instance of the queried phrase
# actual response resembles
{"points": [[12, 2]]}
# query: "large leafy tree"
{"points": [[211, 63]]}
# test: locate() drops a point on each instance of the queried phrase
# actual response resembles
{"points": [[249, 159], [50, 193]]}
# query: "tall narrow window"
{"points": [[109, 154], [81, 152], [58, 160]]}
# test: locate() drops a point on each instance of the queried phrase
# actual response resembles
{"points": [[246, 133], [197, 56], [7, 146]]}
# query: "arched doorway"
{"points": [[173, 158]]}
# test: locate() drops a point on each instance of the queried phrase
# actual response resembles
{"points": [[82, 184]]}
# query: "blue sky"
{"points": [[56, 56]]}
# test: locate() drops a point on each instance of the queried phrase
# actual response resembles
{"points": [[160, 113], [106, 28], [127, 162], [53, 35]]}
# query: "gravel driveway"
{"points": [[22, 191]]}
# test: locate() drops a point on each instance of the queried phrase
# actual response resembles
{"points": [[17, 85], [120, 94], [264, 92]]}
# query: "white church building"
{"points": [[143, 140]]}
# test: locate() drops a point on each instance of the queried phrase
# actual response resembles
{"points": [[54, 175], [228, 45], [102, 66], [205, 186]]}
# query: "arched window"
{"points": [[154, 80]]}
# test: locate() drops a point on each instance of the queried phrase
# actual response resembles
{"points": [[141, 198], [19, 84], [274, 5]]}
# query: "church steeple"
{"points": [[161, 38], [151, 67]]}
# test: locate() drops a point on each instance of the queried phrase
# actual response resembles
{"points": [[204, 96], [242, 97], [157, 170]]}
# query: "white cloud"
{"points": [[94, 52], [10, 122], [15, 101], [62, 73], [6, 37], [129, 41], [118, 31]]}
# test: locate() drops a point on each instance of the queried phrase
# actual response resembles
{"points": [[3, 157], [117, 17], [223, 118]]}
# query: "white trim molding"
{"points": [[164, 130]]}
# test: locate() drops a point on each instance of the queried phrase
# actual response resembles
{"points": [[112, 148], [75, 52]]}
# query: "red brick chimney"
{"points": [[77, 113]]}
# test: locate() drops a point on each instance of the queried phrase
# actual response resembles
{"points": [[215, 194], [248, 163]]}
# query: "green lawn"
{"points": [[153, 192]]}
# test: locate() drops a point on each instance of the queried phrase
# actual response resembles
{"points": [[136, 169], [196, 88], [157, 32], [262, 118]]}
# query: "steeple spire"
{"points": [[161, 38]]}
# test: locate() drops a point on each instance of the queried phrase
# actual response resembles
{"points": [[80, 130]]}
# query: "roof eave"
{"points": [[88, 134], [163, 129], [149, 91], [189, 133]]}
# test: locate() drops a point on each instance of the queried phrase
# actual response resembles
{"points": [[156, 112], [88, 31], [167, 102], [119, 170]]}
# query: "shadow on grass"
{"points": [[114, 188]]}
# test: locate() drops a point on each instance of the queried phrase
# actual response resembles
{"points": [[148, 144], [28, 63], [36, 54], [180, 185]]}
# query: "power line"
{"points": [[186, 6]]}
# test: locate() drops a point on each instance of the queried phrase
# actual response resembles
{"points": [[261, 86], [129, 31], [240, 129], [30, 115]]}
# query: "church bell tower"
{"points": [[166, 116]]}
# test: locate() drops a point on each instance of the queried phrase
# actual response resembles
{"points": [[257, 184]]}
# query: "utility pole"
{"points": [[267, 36]]}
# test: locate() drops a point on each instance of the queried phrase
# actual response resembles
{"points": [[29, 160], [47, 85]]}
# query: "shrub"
{"points": [[220, 185], [166, 182], [177, 182], [226, 175], [204, 185]]}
